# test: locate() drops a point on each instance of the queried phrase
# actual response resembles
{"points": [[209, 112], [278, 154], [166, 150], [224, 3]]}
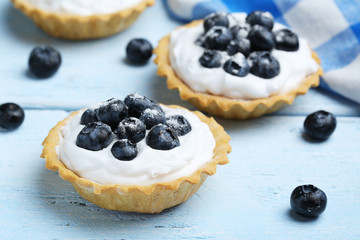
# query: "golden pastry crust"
{"points": [[223, 106], [82, 27], [134, 198]]}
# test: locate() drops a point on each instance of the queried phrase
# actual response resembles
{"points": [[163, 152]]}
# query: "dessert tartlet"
{"points": [[136, 155], [78, 19], [237, 65]]}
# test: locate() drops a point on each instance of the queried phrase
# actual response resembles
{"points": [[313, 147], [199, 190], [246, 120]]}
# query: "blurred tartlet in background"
{"points": [[78, 19]]}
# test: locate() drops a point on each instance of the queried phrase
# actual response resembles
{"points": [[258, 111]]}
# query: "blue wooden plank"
{"points": [[246, 199]]}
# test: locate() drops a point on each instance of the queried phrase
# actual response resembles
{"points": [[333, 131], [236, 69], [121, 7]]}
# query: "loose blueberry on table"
{"points": [[44, 61], [308, 201], [125, 123], [139, 51], [253, 39], [11, 116], [320, 125]]}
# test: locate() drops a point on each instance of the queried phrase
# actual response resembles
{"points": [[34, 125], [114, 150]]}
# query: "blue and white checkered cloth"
{"points": [[332, 28]]}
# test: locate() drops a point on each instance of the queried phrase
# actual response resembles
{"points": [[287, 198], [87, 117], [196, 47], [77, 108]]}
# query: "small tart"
{"points": [[138, 198], [224, 106], [76, 27]]}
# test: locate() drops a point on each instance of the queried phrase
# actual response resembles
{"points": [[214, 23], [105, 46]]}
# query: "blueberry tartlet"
{"points": [[135, 155], [237, 65], [77, 19]]}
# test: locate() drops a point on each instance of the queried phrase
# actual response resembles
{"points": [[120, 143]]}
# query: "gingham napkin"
{"points": [[331, 26]]}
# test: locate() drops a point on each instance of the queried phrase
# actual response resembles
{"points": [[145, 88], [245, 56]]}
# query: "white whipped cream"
{"points": [[83, 7], [184, 58], [149, 167]]}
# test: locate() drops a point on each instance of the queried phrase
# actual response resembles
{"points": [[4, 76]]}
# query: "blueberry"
{"points": [[179, 125], [308, 201], [286, 40], [217, 38], [216, 19], [112, 112], [237, 65], [241, 45], [94, 136], [261, 39], [137, 104], [263, 64], [261, 18], [210, 59], [131, 128], [89, 116], [124, 150], [241, 30], [11, 116], [139, 51], [200, 40], [162, 137], [152, 117], [320, 125], [44, 61]]}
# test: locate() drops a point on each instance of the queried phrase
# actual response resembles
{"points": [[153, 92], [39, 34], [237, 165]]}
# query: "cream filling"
{"points": [[83, 7], [149, 167], [184, 58]]}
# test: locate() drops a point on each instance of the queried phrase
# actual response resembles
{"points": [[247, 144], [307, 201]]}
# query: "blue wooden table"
{"points": [[246, 199]]}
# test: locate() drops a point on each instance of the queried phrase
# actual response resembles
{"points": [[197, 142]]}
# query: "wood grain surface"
{"points": [[246, 199]]}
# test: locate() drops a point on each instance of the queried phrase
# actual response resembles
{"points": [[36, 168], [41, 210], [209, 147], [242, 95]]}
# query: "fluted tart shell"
{"points": [[223, 106], [75, 27], [137, 198]]}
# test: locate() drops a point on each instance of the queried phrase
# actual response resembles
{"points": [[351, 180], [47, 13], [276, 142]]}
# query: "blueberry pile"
{"points": [[128, 122], [247, 45]]}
